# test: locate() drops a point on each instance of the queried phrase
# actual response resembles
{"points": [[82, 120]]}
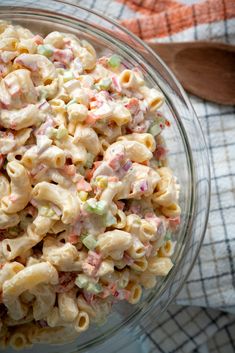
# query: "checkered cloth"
{"points": [[202, 318]]}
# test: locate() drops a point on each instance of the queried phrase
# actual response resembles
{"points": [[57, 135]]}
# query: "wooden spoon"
{"points": [[205, 69]]}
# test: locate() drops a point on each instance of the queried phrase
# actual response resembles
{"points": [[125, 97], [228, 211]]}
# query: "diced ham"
{"points": [[158, 223], [65, 56], [116, 161], [174, 222], [116, 84], [148, 249], [92, 263], [66, 282], [88, 269], [160, 152], [13, 197], [113, 179], [83, 185], [94, 259], [133, 105], [128, 259], [42, 323], [89, 297], [120, 205], [69, 170], [38, 39]]}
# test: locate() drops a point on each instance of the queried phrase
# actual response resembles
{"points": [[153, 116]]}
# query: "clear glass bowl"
{"points": [[187, 152]]}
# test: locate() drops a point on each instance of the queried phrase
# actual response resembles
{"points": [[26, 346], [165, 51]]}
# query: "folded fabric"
{"points": [[161, 19]]}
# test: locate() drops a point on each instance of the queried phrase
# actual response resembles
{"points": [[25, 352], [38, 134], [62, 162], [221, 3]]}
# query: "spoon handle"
{"points": [[167, 51]]}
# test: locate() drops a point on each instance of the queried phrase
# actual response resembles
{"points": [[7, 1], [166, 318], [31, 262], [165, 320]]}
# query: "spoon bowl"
{"points": [[205, 69]]}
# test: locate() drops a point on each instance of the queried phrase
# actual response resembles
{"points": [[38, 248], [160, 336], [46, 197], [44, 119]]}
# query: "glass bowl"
{"points": [[187, 153]]}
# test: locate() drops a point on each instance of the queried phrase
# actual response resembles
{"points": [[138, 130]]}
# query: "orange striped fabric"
{"points": [[159, 18], [149, 7]]}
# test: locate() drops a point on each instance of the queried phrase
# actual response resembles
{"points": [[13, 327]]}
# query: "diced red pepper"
{"points": [[73, 238], [2, 160]]}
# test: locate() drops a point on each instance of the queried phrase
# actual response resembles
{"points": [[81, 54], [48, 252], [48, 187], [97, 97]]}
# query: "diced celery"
{"points": [[114, 61], [96, 86], [101, 207], [83, 195], [45, 50], [72, 101], [105, 83], [43, 93], [94, 288], [89, 241], [123, 282], [5, 164], [83, 236], [81, 281], [110, 219], [90, 205], [13, 230], [51, 133], [101, 181], [68, 75], [168, 236], [98, 207], [81, 170], [46, 211], [155, 130], [89, 161]]}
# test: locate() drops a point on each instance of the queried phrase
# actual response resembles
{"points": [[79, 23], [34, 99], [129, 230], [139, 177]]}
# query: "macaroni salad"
{"points": [[88, 204]]}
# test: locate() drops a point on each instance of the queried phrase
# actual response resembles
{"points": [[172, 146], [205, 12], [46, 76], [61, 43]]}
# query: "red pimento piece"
{"points": [[2, 160], [90, 172], [73, 239], [167, 123], [144, 163]]}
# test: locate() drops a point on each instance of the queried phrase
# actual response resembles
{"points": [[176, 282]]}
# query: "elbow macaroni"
{"points": [[87, 206]]}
